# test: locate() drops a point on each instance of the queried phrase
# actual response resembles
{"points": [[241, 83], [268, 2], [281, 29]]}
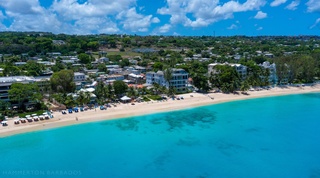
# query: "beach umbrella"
{"points": [[4, 123], [22, 119], [125, 98]]}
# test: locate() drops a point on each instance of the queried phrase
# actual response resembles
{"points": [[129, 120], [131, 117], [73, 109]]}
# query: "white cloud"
{"points": [[205, 12], [165, 28], [260, 28], [175, 34], [155, 20], [134, 22], [72, 9], [232, 27], [21, 7], [277, 3], [80, 17], [30, 16], [293, 5], [90, 24], [315, 24], [260, 15], [313, 6]]}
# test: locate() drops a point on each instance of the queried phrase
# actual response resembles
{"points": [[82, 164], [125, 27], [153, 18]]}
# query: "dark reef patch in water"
{"points": [[160, 161], [187, 118], [189, 141], [228, 149], [127, 124], [254, 129]]}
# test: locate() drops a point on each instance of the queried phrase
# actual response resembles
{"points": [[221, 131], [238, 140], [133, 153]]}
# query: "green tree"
{"points": [[62, 81], [190, 54], [110, 92], [93, 45], [34, 68], [69, 101], [244, 87], [58, 66], [132, 92], [124, 62], [225, 78], [157, 66], [101, 92], [10, 70], [168, 72], [119, 87], [102, 68], [20, 93], [156, 88], [84, 58], [201, 82], [81, 98]]}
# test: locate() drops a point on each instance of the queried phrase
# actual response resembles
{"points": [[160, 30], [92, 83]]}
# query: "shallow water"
{"points": [[267, 137]]}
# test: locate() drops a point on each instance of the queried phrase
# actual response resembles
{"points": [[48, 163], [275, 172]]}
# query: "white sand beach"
{"points": [[127, 110]]}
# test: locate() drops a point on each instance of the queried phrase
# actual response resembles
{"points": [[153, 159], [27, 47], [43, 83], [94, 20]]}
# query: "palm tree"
{"points": [[168, 76], [244, 87], [87, 98], [156, 87], [81, 98], [110, 93], [131, 92], [69, 102]]}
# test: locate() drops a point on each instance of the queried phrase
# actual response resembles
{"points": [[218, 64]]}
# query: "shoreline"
{"points": [[144, 108]]}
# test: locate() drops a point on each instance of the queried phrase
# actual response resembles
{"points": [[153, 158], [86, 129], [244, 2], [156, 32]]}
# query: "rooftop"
{"points": [[16, 79]]}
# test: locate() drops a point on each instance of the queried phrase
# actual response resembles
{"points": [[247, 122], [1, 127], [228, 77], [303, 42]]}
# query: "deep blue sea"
{"points": [[259, 138]]}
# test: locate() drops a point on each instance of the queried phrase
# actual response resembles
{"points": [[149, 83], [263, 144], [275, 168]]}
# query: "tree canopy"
{"points": [[21, 93], [119, 87], [225, 78], [62, 81]]}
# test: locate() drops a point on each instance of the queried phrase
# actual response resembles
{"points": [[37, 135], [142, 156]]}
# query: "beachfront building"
{"points": [[109, 79], [137, 79], [178, 81], [6, 82], [273, 79], [241, 69]]}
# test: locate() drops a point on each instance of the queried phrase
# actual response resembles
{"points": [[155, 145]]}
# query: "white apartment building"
{"points": [[179, 79], [6, 82], [273, 79], [241, 69]]}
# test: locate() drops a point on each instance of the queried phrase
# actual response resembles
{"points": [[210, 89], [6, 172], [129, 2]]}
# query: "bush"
{"points": [[155, 97], [145, 98]]}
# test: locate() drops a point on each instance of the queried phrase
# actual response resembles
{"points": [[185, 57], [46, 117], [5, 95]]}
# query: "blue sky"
{"points": [[163, 17]]}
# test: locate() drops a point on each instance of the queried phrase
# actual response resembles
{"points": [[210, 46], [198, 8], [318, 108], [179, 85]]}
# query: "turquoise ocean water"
{"points": [[267, 137]]}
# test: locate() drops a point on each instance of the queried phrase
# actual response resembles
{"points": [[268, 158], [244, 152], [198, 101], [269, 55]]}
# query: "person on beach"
{"points": [[77, 119]]}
